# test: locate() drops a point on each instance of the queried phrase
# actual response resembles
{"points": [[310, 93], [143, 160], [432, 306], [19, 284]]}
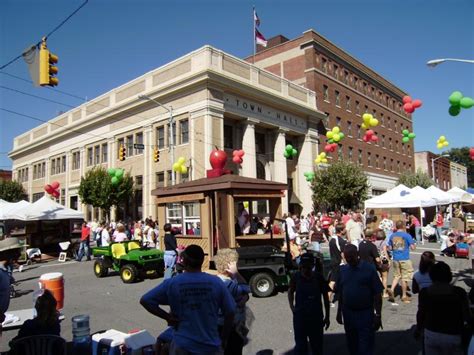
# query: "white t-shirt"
{"points": [[105, 237], [291, 228], [354, 230], [304, 225]]}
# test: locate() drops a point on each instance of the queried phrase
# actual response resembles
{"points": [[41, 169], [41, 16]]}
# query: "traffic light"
{"points": [[156, 155], [47, 70], [122, 153]]}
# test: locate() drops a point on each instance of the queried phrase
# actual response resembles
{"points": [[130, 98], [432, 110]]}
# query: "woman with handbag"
{"points": [[384, 266]]}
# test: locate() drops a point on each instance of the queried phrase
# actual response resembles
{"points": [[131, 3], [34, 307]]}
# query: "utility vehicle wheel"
{"points": [[100, 270], [262, 284], [128, 273]]}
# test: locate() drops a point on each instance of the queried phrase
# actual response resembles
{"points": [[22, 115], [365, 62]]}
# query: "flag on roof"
{"points": [[259, 39], [255, 18]]}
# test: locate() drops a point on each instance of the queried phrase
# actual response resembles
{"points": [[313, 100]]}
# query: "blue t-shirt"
{"points": [[195, 299], [358, 286], [400, 243]]}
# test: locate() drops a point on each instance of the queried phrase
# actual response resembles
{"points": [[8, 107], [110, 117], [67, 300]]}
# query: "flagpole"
{"points": [[254, 42]]}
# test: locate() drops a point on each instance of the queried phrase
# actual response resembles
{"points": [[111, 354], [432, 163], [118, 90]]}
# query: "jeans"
{"points": [[306, 326], [315, 246], [359, 328], [418, 235], [438, 234], [442, 344], [170, 262], [84, 249], [176, 350]]}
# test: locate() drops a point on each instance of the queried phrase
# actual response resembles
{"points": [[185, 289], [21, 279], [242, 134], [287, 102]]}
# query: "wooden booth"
{"points": [[205, 211]]}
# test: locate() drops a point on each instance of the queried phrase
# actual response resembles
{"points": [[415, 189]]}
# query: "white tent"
{"points": [[9, 208], [46, 209], [441, 197], [460, 195], [400, 197]]}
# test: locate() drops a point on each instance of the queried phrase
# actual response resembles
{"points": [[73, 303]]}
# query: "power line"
{"points": [[36, 96], [48, 35]]}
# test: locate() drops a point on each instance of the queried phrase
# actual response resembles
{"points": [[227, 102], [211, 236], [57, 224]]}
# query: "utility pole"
{"points": [[171, 122]]}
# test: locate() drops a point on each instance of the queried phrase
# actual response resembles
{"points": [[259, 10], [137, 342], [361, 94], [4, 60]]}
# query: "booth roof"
{"points": [[224, 182]]}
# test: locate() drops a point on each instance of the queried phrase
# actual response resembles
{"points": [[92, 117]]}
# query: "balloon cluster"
{"points": [[116, 175], [410, 106], [369, 121], [370, 136], [442, 142], [179, 166], [330, 148], [407, 135], [53, 189], [309, 175], [471, 153], [321, 158], [237, 156], [458, 101], [334, 135], [290, 152]]}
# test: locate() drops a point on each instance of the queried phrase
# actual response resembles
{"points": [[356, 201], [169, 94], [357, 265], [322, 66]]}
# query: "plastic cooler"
{"points": [[54, 282], [114, 342]]}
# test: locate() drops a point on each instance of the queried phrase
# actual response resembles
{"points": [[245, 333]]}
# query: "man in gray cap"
{"points": [[10, 249]]}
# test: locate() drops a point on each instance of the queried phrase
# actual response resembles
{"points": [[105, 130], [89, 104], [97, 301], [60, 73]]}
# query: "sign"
{"points": [[139, 146]]}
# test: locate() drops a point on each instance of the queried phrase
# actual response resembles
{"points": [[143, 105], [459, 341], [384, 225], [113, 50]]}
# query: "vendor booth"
{"points": [[205, 211]]}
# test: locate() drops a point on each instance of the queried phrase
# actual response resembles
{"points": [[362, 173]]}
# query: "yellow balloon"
{"points": [[364, 126], [246, 204], [374, 122], [336, 137], [366, 116], [183, 169], [329, 134], [323, 154], [445, 143], [325, 160], [336, 129], [176, 167], [442, 138], [317, 160], [181, 160], [440, 145]]}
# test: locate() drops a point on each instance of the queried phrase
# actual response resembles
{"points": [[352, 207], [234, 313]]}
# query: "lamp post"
{"points": [[434, 62], [171, 138], [433, 169]]}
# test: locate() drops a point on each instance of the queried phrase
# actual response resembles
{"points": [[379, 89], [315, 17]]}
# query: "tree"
{"points": [[11, 191], [96, 189], [341, 185], [419, 178], [461, 156]]}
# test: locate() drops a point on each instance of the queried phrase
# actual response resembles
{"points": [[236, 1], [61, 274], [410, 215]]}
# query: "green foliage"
{"points": [[419, 178], [11, 191], [461, 156], [96, 189], [341, 185]]}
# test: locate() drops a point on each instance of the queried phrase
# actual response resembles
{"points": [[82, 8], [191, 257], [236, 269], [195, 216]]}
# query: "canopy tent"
{"points": [[9, 208], [441, 197], [45, 209], [401, 197], [460, 195]]}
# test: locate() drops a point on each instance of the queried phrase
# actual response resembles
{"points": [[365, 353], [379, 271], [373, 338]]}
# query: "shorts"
{"points": [[403, 269]]}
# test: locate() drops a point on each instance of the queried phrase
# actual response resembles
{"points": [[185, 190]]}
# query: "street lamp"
{"points": [[434, 62], [171, 121], [432, 166]]}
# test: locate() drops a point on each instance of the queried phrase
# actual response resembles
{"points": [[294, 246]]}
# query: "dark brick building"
{"points": [[5, 174], [345, 90]]}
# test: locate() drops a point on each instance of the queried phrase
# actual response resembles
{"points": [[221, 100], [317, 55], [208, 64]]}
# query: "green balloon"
{"points": [[111, 171], [119, 173], [289, 148], [405, 132], [115, 180], [341, 135], [294, 152], [411, 135], [454, 110], [331, 141], [455, 98], [466, 102], [286, 154], [405, 139]]}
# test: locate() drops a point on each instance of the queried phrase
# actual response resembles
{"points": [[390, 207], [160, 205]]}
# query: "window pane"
{"points": [[184, 129], [129, 146], [139, 140], [228, 136], [160, 133]]}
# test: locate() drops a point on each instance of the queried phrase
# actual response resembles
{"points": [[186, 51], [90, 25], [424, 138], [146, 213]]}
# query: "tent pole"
{"points": [[421, 226]]}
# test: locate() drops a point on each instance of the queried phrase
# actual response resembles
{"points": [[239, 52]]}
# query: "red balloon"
{"points": [[406, 99], [369, 132], [408, 107], [237, 160], [471, 153], [48, 188], [55, 184], [417, 103], [374, 138], [55, 193], [365, 138], [241, 153]]}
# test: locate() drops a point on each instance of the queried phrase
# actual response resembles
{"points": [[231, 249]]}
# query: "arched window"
{"points": [[260, 170]]}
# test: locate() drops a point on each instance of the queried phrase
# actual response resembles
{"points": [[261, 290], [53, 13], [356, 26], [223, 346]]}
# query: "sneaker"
{"points": [[391, 297]]}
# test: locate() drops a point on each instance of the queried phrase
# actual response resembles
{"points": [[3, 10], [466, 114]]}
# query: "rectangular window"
{"points": [[396, 146], [373, 92], [63, 164], [369, 159], [169, 176], [390, 143], [377, 161], [348, 103], [53, 166], [382, 119], [325, 93], [398, 166], [228, 137], [366, 109], [184, 131], [374, 113], [160, 179], [129, 146], [365, 88], [139, 140], [120, 143], [391, 164], [383, 140], [37, 196], [389, 123], [338, 99], [34, 173], [63, 197], [259, 143], [350, 153], [76, 160], [359, 157], [384, 163], [340, 152], [349, 128], [356, 82], [160, 137], [90, 156], [97, 154], [105, 153], [357, 108], [336, 71], [346, 77], [359, 133], [324, 65]]}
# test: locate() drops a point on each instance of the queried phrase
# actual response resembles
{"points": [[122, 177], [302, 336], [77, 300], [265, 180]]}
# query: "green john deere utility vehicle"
{"points": [[130, 259]]}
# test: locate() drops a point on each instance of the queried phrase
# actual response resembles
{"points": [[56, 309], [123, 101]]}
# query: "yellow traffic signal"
{"points": [[122, 153], [47, 70], [156, 155]]}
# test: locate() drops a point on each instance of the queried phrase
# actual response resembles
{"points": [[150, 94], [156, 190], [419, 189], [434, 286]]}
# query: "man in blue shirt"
{"points": [[195, 299], [400, 243], [360, 302]]}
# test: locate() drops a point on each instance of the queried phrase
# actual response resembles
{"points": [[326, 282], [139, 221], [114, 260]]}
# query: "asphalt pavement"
{"points": [[113, 304]]}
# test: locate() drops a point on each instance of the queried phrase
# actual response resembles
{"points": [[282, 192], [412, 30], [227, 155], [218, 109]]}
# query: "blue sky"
{"points": [[110, 42]]}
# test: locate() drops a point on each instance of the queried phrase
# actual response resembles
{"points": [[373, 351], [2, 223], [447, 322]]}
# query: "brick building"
{"points": [[426, 161], [346, 89], [5, 174]]}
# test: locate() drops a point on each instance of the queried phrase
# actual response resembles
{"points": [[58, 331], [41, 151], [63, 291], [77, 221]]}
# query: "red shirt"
{"points": [[85, 232], [439, 220], [326, 222], [345, 218]]}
